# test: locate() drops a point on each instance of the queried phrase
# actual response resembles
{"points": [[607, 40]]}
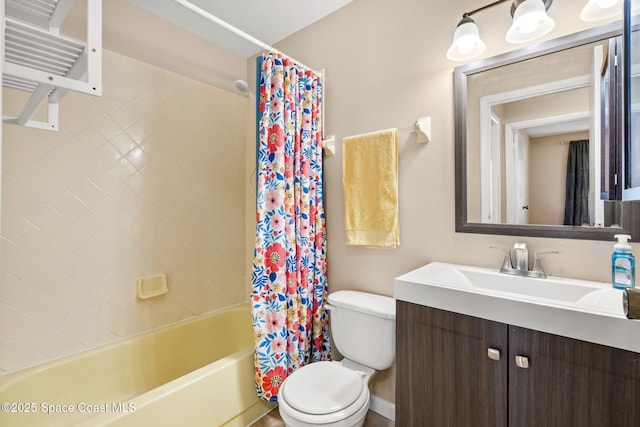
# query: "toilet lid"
{"points": [[322, 388]]}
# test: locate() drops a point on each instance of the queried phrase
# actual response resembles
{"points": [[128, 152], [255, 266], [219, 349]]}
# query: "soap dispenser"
{"points": [[623, 263]]}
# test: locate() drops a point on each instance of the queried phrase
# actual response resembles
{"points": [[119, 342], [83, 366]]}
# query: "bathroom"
{"points": [[385, 65]]}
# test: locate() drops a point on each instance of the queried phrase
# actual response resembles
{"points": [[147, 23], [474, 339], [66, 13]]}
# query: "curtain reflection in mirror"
{"points": [[576, 207]]}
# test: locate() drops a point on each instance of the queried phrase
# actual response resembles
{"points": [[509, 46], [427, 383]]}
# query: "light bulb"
{"points": [[465, 45], [528, 26], [604, 4]]}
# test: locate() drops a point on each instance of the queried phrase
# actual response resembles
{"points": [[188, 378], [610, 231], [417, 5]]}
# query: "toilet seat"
{"points": [[322, 388], [324, 393]]}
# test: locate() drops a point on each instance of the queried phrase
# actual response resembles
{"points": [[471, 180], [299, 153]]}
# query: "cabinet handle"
{"points": [[493, 353], [522, 362]]}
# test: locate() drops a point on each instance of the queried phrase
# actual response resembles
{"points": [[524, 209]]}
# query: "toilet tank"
{"points": [[363, 327]]}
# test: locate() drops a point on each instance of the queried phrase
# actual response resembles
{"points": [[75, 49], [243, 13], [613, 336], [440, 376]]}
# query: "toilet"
{"points": [[337, 393]]}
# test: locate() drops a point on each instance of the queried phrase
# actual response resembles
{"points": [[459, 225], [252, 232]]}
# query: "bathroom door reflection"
{"points": [[521, 163]]}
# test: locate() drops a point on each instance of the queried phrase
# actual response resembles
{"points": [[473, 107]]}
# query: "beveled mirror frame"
{"points": [[630, 211]]}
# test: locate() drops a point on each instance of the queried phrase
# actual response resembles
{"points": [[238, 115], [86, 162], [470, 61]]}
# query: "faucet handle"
{"points": [[538, 255], [506, 263], [537, 262]]}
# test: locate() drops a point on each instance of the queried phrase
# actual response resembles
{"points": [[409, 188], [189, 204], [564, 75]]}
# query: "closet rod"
{"points": [[237, 31]]}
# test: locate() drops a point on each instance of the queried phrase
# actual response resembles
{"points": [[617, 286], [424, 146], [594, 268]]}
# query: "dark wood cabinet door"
{"points": [[444, 375], [571, 382]]}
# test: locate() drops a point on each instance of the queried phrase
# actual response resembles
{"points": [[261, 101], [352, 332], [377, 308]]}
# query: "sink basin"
{"points": [[551, 288]]}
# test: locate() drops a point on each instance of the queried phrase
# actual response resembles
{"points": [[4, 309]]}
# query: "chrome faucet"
{"points": [[522, 256], [522, 262]]}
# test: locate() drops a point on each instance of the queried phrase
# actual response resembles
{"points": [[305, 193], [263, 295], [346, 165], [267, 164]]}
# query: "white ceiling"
{"points": [[267, 20]]}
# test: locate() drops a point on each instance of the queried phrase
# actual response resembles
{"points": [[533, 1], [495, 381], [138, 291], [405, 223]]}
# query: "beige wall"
{"points": [[146, 179], [386, 66]]}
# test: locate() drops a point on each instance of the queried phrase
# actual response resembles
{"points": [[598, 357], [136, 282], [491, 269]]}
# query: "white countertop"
{"points": [[597, 318]]}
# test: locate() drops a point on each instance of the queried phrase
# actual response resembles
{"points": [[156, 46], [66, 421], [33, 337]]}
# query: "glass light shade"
{"points": [[466, 42], [596, 10], [530, 21]]}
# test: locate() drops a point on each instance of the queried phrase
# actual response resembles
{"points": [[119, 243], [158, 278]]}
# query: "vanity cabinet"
{"points": [[459, 370]]}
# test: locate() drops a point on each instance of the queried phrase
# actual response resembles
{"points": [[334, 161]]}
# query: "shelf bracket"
{"points": [[40, 60]]}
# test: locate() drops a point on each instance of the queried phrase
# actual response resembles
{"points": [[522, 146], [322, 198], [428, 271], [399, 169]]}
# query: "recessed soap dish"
{"points": [[152, 286]]}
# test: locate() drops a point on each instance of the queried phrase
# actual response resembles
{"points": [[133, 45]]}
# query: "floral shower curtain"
{"points": [[289, 269]]}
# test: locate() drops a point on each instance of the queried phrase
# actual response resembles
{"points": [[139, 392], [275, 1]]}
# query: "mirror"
{"points": [[538, 136], [632, 137]]}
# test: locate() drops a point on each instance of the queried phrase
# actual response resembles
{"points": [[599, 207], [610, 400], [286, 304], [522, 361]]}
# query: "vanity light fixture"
{"points": [[530, 21], [596, 10]]}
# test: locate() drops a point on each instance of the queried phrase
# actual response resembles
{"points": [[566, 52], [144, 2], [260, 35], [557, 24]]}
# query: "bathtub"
{"points": [[195, 373]]}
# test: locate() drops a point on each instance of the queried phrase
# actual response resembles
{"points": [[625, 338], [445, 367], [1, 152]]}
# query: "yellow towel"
{"points": [[370, 180]]}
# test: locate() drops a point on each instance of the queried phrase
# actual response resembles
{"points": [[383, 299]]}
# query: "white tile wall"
{"points": [[147, 179]]}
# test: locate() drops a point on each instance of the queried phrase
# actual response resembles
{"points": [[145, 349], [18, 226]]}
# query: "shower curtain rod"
{"points": [[237, 31]]}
